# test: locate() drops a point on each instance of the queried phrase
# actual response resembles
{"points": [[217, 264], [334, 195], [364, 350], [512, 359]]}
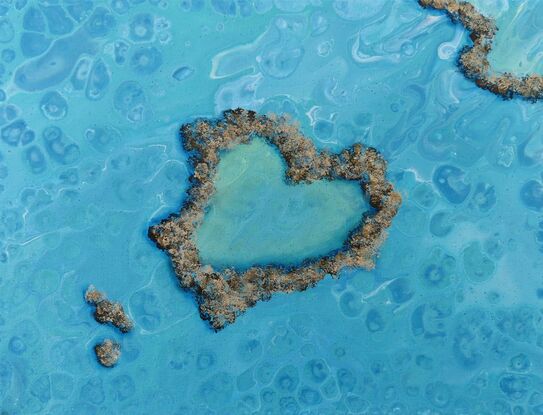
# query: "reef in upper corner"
{"points": [[223, 295], [473, 60]]}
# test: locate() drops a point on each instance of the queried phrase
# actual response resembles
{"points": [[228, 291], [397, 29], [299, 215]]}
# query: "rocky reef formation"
{"points": [[108, 311], [473, 60], [108, 352], [223, 295]]}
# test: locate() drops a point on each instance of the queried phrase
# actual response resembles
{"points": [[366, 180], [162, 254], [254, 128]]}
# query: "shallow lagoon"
{"points": [[448, 322], [257, 218]]}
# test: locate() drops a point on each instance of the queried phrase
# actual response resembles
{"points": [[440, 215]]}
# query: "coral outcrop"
{"points": [[223, 295], [473, 60], [108, 311], [108, 352]]}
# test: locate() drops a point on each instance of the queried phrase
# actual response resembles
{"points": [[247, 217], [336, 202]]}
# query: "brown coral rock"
{"points": [[107, 311], [108, 352], [473, 60], [223, 295]]}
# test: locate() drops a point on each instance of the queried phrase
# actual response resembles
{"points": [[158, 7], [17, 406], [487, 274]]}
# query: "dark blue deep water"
{"points": [[92, 95]]}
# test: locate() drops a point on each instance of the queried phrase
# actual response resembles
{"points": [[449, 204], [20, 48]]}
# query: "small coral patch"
{"points": [[223, 295], [108, 352]]}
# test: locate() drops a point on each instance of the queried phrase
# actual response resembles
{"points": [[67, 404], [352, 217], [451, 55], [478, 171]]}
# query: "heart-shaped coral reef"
{"points": [[223, 295]]}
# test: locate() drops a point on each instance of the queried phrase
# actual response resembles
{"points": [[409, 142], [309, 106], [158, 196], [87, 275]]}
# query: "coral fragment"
{"points": [[107, 311], [108, 352]]}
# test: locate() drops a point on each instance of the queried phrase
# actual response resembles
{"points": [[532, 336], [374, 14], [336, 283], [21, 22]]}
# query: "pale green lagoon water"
{"points": [[256, 217]]}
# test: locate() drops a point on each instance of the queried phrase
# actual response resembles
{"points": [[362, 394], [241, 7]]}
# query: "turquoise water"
{"points": [[256, 217], [450, 320]]}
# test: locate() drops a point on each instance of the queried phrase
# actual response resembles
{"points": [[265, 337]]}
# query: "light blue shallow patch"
{"points": [[256, 217]]}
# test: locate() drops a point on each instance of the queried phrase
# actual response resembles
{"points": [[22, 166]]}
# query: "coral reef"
{"points": [[108, 352], [473, 60], [107, 311], [223, 295]]}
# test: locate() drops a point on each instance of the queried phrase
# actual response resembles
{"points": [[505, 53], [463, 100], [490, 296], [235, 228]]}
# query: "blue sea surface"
{"points": [[93, 93]]}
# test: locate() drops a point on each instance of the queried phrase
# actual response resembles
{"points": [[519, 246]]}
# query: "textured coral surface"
{"points": [[107, 311], [108, 352]]}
